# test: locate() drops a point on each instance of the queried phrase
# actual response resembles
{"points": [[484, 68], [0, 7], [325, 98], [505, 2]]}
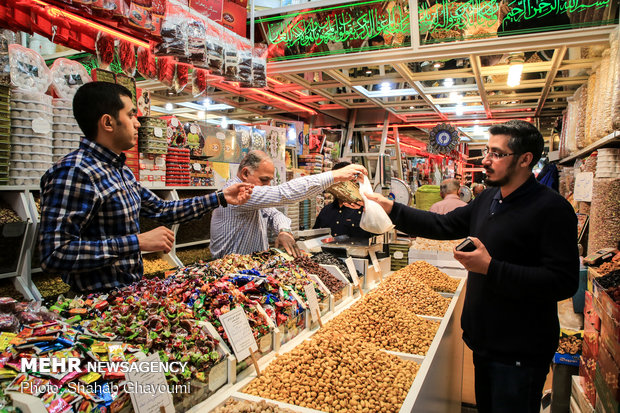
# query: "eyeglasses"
{"points": [[495, 155]]}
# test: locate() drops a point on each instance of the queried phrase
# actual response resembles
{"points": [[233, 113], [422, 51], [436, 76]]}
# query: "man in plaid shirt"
{"points": [[91, 201]]}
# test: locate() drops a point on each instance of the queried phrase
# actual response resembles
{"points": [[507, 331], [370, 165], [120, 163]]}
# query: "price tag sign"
{"points": [[375, 261], [352, 271], [149, 402], [239, 333], [583, 186], [158, 132], [313, 301]]}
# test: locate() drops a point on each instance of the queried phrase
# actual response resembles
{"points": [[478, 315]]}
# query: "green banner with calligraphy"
{"points": [[352, 27], [447, 20]]}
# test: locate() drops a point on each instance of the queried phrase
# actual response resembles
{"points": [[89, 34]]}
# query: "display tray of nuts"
{"points": [[335, 372], [430, 276], [231, 405]]}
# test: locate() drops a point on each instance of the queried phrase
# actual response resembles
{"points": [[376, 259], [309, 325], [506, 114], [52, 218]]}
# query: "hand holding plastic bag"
{"points": [[374, 218]]}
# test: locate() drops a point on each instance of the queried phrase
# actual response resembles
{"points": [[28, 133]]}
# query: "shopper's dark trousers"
{"points": [[505, 388]]}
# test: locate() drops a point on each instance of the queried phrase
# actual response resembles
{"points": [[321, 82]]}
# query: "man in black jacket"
{"points": [[525, 261]]}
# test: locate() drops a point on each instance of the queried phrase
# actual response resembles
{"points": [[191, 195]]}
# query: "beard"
{"points": [[505, 179]]}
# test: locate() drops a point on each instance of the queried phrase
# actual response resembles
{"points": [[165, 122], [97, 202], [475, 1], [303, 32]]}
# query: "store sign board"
{"points": [[210, 8], [335, 30], [450, 20], [313, 301], [352, 271], [584, 182]]}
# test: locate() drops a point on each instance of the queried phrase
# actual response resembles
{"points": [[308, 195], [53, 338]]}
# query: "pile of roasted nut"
{"points": [[335, 373], [155, 265], [415, 296], [430, 276]]}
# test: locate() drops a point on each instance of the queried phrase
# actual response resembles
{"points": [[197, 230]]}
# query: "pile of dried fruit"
{"points": [[333, 284], [244, 406]]}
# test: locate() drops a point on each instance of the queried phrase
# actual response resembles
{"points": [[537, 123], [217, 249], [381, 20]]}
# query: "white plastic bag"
{"points": [[374, 218]]}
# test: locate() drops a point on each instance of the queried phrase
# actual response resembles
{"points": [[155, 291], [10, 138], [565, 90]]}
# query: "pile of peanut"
{"points": [[335, 373], [407, 291], [424, 244], [387, 323], [155, 265], [429, 275]]}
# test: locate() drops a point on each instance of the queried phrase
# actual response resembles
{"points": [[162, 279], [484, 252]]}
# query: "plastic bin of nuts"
{"points": [[14, 220]]}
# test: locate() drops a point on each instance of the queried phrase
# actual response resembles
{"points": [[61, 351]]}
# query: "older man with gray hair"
{"points": [[449, 191], [244, 229]]}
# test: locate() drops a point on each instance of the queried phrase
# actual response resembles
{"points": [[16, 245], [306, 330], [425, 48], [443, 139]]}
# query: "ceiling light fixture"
{"points": [[369, 72], [459, 110], [224, 122], [202, 114], [169, 106], [385, 86], [516, 69], [449, 82], [411, 107], [437, 65], [281, 99]]}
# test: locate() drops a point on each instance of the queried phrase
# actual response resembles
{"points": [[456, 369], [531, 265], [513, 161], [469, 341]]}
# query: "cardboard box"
{"points": [[579, 395], [587, 373], [589, 312], [605, 400], [610, 373], [567, 359]]}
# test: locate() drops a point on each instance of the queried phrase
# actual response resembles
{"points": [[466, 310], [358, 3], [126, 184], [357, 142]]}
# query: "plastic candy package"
{"points": [[104, 47], [181, 78], [174, 37], [28, 69], [8, 323], [615, 84], [196, 37], [199, 82], [67, 77], [590, 107], [140, 16], [7, 304], [245, 63], [571, 131], [147, 65], [599, 102], [231, 57], [259, 65], [165, 70], [581, 98], [127, 57]]}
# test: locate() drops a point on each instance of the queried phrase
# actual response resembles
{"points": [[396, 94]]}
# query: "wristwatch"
{"points": [[222, 199], [287, 230]]}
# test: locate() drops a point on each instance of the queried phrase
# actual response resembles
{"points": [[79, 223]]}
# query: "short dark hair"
{"points": [[524, 137], [340, 165], [95, 99]]}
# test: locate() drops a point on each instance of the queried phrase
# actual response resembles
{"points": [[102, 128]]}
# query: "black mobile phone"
{"points": [[466, 246]]}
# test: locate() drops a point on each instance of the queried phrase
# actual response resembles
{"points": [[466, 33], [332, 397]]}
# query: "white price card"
{"points": [[375, 261], [583, 186], [313, 301], [352, 271], [150, 390], [239, 333], [158, 132]]}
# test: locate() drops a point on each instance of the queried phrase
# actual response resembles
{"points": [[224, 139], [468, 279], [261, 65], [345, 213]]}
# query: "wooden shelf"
{"points": [[612, 137]]}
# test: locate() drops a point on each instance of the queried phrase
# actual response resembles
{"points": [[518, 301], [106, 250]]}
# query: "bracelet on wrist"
{"points": [[222, 199]]}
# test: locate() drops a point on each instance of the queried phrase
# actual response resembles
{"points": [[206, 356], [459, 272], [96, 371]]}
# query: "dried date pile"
{"points": [[333, 284]]}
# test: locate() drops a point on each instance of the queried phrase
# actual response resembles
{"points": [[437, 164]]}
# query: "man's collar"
{"points": [[452, 196], [102, 153], [524, 188]]}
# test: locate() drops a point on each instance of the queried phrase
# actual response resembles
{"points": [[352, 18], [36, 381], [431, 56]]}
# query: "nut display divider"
{"points": [[16, 198]]}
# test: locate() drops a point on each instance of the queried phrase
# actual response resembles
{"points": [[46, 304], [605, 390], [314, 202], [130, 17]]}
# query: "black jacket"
{"points": [[510, 314]]}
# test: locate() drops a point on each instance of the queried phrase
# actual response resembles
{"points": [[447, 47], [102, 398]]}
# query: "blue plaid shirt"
{"points": [[90, 205]]}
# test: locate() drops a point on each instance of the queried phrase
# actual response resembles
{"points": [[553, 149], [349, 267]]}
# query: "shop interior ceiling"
{"points": [[421, 93]]}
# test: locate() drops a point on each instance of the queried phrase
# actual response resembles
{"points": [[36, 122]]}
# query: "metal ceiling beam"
{"points": [[556, 60], [492, 46], [475, 67], [345, 81], [306, 85], [406, 73]]}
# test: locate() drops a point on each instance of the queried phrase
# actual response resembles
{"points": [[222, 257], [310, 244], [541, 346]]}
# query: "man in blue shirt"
{"points": [[91, 201]]}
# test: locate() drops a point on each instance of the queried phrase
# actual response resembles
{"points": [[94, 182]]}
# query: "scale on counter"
{"points": [[311, 239], [355, 247], [399, 191], [600, 256], [465, 193]]}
